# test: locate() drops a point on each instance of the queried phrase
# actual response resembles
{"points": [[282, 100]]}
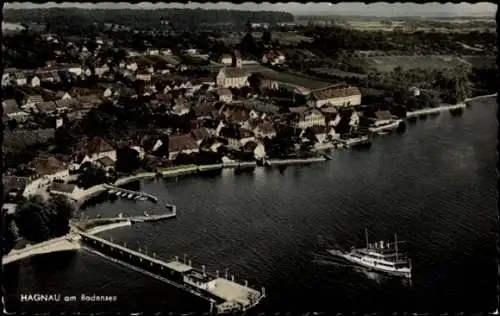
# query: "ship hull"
{"points": [[399, 273]]}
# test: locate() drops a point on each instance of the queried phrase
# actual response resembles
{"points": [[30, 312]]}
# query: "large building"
{"points": [[334, 96], [231, 77]]}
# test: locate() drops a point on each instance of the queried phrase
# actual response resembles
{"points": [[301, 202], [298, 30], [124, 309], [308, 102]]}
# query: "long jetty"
{"points": [[112, 188], [222, 294]]}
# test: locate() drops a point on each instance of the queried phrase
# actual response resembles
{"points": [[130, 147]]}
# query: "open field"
{"points": [[336, 73], [296, 80], [412, 25], [389, 63], [481, 62]]}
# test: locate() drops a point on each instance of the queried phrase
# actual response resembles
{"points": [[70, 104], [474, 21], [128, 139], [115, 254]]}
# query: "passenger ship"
{"points": [[381, 257]]}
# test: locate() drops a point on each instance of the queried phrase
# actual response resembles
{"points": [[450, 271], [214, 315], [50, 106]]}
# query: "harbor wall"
{"points": [[281, 162], [100, 229], [444, 107]]}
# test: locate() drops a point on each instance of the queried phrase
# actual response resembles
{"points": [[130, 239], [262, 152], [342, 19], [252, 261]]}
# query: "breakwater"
{"points": [[438, 109], [298, 161]]}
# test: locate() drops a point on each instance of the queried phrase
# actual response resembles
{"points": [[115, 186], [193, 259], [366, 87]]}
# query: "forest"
{"points": [[178, 19]]}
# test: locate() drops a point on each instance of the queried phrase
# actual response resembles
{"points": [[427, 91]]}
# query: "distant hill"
{"points": [[145, 17]]}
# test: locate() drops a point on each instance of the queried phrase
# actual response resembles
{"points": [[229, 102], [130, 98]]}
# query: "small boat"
{"points": [[137, 197], [111, 191], [146, 214], [119, 193], [380, 257]]}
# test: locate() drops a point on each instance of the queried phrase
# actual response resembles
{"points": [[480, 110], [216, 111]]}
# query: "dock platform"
{"points": [[115, 189]]}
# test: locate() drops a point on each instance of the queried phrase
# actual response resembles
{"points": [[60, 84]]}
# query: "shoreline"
{"points": [[83, 196], [69, 242]]}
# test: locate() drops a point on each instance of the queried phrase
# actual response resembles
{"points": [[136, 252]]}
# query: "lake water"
{"points": [[435, 186]]}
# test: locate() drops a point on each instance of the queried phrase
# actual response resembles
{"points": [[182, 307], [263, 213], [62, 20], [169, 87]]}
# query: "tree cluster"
{"points": [[88, 21], [39, 220], [90, 175]]}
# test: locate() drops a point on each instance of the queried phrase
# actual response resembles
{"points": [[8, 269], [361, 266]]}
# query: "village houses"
{"points": [[308, 118], [12, 111], [265, 130]]}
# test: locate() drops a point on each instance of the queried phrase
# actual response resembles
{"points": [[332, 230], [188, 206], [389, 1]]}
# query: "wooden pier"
{"points": [[222, 294]]}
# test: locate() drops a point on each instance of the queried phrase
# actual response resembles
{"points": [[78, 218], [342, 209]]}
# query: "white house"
{"points": [[152, 52], [99, 71], [273, 58], [35, 82], [20, 79], [61, 95], [140, 151], [335, 96], [354, 119], [226, 59], [231, 77], [309, 118], [166, 51], [415, 91], [257, 148], [132, 66], [144, 76], [335, 121], [6, 79], [75, 70], [31, 101]]}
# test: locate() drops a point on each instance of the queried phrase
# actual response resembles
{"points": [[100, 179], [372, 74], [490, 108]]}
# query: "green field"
{"points": [[385, 64]]}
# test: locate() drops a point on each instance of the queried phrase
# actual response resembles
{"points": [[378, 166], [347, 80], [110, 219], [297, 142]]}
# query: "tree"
{"points": [[61, 211], [33, 221], [127, 160], [90, 175]]}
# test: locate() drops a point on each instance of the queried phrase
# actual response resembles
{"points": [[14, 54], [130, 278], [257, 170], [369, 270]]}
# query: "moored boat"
{"points": [[381, 257]]}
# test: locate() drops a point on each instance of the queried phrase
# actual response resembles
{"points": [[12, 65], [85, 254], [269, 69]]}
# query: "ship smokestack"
{"points": [[203, 269], [232, 277], [190, 263], [382, 244], [217, 273]]}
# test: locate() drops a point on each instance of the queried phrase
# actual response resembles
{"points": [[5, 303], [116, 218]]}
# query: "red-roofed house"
{"points": [[97, 148], [183, 143]]}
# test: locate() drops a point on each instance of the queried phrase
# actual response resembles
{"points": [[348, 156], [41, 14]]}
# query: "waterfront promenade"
{"points": [[71, 240], [65, 243]]}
